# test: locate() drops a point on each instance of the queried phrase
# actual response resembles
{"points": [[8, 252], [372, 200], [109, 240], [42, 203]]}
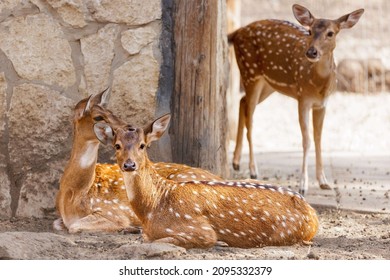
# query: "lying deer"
{"points": [[92, 197], [198, 213], [275, 55]]}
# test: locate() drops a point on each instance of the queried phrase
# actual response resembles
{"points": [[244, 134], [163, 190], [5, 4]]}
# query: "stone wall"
{"points": [[52, 54]]}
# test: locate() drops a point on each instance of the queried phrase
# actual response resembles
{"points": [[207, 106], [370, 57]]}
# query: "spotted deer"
{"points": [[297, 61], [92, 196], [200, 213]]}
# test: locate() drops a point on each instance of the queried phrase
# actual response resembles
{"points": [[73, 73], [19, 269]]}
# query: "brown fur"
{"points": [[197, 214], [297, 61]]}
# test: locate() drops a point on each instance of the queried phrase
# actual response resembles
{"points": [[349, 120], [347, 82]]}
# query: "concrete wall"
{"points": [[52, 54]]}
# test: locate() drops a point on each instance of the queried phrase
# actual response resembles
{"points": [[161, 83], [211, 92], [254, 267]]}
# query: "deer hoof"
{"points": [[253, 176], [307, 242], [221, 244], [302, 192], [131, 230], [236, 166], [325, 187]]}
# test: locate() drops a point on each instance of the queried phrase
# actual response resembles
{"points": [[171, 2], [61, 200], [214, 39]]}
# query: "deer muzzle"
{"points": [[129, 166], [312, 54]]}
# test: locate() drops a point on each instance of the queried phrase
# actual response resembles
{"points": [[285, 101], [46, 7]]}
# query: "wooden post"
{"points": [[199, 114], [233, 95]]}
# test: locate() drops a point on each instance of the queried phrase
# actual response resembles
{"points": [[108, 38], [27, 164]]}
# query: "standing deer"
{"points": [[198, 213], [275, 55], [92, 197]]}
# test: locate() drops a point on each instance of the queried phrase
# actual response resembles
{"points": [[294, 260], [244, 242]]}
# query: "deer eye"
{"points": [[309, 31], [330, 34], [117, 146], [142, 146], [98, 118]]}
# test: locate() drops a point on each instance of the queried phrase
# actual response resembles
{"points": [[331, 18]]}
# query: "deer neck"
{"points": [[80, 170], [145, 189]]}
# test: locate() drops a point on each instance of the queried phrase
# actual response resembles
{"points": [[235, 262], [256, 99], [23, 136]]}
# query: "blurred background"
{"points": [[358, 114]]}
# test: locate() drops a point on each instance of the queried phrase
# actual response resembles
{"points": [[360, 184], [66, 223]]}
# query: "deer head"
{"points": [[323, 32], [125, 138]]}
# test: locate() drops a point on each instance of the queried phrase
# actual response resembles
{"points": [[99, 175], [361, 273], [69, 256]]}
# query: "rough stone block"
{"points": [[71, 11], [38, 193], [36, 46], [150, 251], [98, 52], [134, 89], [41, 133], [134, 40], [31, 245], [136, 12]]}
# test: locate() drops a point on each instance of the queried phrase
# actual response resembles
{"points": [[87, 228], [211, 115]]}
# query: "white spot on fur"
{"points": [[207, 228]]}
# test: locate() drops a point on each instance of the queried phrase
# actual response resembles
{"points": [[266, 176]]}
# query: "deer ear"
{"points": [[100, 99], [303, 15], [104, 133], [349, 20], [103, 97], [157, 128]]}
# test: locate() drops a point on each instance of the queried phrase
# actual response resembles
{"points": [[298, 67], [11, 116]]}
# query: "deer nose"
{"points": [[312, 53], [129, 166]]}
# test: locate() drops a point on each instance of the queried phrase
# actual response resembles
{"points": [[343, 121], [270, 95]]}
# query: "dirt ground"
{"points": [[342, 235]]}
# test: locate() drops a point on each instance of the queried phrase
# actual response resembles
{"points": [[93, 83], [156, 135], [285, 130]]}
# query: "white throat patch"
{"points": [[89, 156]]}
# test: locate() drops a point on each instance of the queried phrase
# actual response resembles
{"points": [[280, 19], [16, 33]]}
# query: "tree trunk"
{"points": [[199, 116]]}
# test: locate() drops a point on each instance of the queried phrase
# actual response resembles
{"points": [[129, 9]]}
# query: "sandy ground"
{"points": [[343, 235]]}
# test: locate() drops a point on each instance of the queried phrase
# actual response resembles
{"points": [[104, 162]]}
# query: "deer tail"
{"points": [[231, 37]]}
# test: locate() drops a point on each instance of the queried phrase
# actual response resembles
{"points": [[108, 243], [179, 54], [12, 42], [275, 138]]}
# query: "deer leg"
{"points": [[194, 239], [304, 124], [94, 222], [59, 225], [252, 94], [318, 120], [240, 132], [250, 109]]}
